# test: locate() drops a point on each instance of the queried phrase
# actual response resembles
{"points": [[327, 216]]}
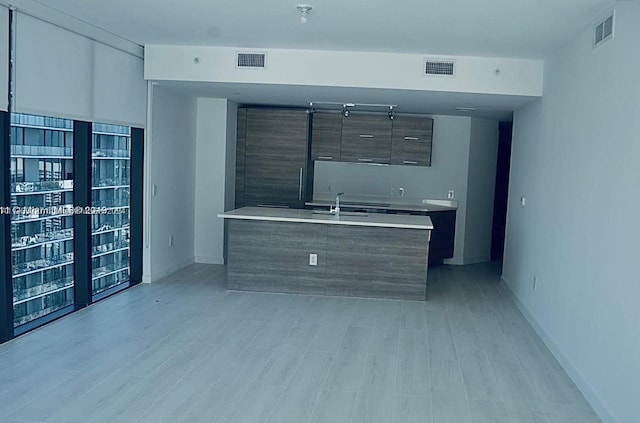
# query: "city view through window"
{"points": [[42, 231]]}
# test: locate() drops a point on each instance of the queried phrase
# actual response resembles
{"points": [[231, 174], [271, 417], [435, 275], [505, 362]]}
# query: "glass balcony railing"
{"points": [[111, 203], [111, 182], [42, 238], [110, 269], [41, 187], [45, 122], [41, 151], [109, 153], [29, 214], [22, 269], [41, 306], [21, 295], [109, 227], [109, 247]]}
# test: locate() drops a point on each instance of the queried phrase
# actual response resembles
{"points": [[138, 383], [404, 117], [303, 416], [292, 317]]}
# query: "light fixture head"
{"points": [[304, 11], [345, 110], [391, 114]]}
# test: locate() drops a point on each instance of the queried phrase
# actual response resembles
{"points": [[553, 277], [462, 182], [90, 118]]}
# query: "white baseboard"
{"points": [[456, 261], [166, 271], [599, 406], [209, 260], [461, 261], [476, 259]]}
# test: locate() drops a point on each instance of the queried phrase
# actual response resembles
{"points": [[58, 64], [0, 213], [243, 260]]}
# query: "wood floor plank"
{"points": [[186, 350]]}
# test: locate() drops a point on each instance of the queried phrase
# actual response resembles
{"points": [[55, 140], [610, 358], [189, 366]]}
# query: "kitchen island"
{"points": [[302, 251]]}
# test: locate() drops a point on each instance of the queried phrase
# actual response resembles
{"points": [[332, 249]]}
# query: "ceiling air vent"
{"points": [[251, 60], [603, 31], [440, 67]]}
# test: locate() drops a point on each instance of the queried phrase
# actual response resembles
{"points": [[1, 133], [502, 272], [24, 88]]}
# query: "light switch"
{"points": [[523, 201], [313, 259]]}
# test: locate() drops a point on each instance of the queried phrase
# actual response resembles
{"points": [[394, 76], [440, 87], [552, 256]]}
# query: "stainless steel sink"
{"points": [[342, 213]]}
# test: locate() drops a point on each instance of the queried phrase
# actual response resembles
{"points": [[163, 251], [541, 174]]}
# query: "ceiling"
{"points": [[504, 28], [498, 28]]}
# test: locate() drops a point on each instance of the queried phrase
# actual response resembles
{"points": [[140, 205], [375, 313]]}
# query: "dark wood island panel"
{"points": [[364, 261]]}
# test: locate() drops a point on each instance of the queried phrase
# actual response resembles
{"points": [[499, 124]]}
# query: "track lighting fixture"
{"points": [[347, 108]]}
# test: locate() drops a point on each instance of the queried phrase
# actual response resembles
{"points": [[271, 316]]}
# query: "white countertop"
{"points": [[308, 216]]}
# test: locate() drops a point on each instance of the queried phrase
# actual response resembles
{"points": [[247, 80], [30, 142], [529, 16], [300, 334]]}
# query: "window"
{"points": [[42, 239], [111, 184]]}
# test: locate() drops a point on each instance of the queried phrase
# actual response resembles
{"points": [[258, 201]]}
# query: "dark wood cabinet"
{"points": [[443, 233], [275, 157], [442, 236], [326, 134], [411, 141], [366, 139]]}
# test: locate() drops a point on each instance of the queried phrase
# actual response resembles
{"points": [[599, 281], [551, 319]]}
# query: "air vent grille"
{"points": [[439, 67], [603, 31], [251, 60]]}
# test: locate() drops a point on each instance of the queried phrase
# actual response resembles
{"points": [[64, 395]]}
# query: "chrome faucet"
{"points": [[336, 210]]}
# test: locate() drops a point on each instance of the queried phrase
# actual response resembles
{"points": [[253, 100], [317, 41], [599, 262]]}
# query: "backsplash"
{"points": [[380, 181]]}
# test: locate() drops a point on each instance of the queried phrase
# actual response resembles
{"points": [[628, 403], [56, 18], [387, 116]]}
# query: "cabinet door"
{"points": [[275, 157], [325, 136], [411, 141], [366, 139]]}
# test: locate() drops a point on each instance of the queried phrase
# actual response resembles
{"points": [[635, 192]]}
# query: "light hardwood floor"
{"points": [[186, 350]]}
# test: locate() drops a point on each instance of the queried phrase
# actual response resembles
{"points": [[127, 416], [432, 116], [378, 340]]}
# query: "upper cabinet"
{"points": [[275, 157], [366, 139], [326, 135], [411, 141], [406, 140]]}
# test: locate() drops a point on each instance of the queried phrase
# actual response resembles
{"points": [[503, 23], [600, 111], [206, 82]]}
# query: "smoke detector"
{"points": [[304, 11]]}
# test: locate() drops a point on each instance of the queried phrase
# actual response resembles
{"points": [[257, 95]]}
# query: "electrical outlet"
{"points": [[154, 190], [535, 283], [329, 188], [451, 194], [313, 259], [392, 191], [401, 191], [523, 201], [170, 240]]}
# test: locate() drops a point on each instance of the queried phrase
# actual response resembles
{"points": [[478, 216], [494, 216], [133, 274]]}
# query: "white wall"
{"points": [[171, 149], [483, 153], [344, 69], [448, 171], [214, 177], [575, 158]]}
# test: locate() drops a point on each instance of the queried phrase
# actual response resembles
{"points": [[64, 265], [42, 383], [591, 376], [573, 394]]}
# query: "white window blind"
{"points": [[53, 73], [120, 91], [4, 58], [61, 73]]}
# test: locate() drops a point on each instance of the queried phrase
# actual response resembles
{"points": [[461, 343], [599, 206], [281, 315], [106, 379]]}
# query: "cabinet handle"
{"points": [[365, 160], [325, 157], [409, 162], [273, 206], [300, 186], [411, 138], [366, 136]]}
